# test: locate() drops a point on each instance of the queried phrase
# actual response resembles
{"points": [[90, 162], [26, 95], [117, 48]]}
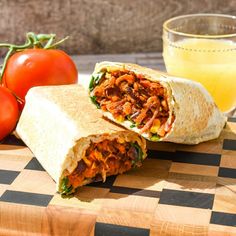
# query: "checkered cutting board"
{"points": [[180, 190]]}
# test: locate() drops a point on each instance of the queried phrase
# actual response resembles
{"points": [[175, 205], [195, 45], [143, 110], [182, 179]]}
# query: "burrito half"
{"points": [[155, 105], [72, 141]]}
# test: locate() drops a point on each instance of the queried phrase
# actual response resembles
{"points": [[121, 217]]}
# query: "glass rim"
{"points": [[166, 28]]}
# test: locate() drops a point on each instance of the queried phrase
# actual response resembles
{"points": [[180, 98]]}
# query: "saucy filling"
{"points": [[128, 96], [102, 159]]}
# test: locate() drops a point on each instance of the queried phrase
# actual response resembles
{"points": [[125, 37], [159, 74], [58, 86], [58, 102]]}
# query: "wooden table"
{"points": [[85, 63], [179, 190]]}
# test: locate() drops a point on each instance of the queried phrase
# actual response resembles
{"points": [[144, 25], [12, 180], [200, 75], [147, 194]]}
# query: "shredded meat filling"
{"points": [[103, 159], [128, 96]]}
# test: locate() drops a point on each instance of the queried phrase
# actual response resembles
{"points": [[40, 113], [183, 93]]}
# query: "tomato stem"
{"points": [[44, 41], [57, 43]]}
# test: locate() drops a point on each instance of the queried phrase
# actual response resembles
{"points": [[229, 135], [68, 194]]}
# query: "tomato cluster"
{"points": [[9, 112], [26, 69]]}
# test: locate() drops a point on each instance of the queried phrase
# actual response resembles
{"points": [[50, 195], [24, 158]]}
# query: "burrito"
{"points": [[72, 141], [154, 104]]}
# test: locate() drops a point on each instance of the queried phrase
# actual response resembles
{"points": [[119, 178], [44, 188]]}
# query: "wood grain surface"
{"points": [[179, 190], [100, 26]]}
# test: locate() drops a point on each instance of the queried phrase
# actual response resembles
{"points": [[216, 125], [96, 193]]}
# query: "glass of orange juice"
{"points": [[202, 47]]}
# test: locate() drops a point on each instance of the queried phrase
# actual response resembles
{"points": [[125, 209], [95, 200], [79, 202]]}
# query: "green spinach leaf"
{"points": [[132, 126], [95, 79], [65, 189], [155, 138], [139, 157], [93, 99]]}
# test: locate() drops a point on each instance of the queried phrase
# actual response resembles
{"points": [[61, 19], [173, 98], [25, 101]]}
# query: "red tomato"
{"points": [[38, 67], [9, 112]]}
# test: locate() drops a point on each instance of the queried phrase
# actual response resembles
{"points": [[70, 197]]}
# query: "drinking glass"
{"points": [[202, 47]]}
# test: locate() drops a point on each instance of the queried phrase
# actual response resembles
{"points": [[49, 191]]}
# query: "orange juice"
{"points": [[209, 61]]}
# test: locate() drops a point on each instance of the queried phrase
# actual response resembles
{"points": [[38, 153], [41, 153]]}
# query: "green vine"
{"points": [[44, 41]]}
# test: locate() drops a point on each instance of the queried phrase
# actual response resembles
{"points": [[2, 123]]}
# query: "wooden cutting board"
{"points": [[180, 190]]}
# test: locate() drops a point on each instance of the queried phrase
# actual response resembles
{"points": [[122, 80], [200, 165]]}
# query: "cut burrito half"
{"points": [[72, 141], [154, 104]]}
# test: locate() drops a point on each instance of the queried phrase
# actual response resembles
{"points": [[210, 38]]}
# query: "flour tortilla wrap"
{"points": [[59, 124], [192, 117]]}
